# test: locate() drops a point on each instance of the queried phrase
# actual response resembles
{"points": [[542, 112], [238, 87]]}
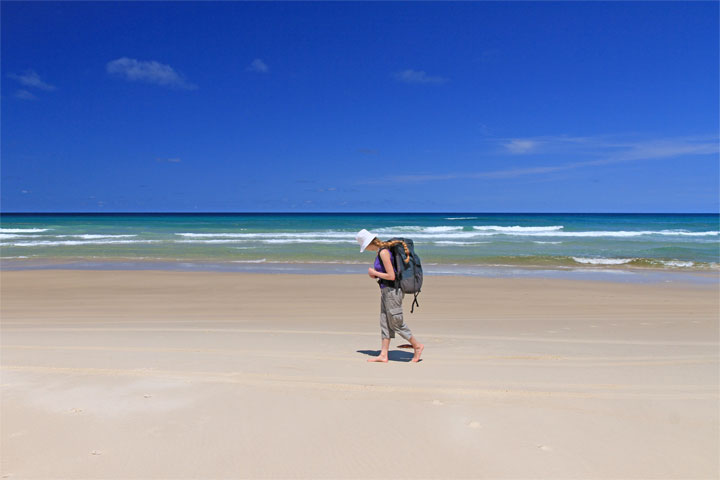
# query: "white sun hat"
{"points": [[364, 238]]}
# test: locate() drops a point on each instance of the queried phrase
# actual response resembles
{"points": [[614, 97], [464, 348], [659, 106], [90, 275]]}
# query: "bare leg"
{"points": [[383, 357], [418, 347]]}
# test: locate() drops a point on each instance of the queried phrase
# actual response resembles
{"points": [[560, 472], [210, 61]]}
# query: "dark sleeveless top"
{"points": [[381, 268]]}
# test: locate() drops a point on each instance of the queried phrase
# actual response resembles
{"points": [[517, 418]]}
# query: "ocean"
{"points": [[461, 243]]}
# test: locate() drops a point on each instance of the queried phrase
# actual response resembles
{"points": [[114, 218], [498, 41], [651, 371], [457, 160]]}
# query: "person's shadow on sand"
{"points": [[393, 355]]}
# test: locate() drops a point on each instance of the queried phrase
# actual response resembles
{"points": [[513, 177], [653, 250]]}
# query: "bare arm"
{"points": [[387, 263]]}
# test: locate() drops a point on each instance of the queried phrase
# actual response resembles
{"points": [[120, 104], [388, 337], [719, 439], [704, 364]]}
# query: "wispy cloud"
{"points": [[258, 66], [417, 76], [31, 79], [25, 95], [170, 160], [554, 144], [148, 71], [518, 145], [603, 151], [665, 148]]}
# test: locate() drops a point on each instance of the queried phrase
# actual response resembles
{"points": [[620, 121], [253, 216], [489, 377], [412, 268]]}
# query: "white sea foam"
{"points": [[261, 260], [210, 241], [304, 240], [689, 234], [461, 218], [325, 234], [677, 263], [219, 234], [445, 233], [456, 233], [50, 243], [15, 235], [86, 236], [439, 235], [519, 229], [92, 236], [23, 230], [441, 229], [452, 242], [267, 240], [621, 233], [415, 228], [603, 261]]}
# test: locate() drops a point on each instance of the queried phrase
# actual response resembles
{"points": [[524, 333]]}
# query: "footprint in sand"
{"points": [[474, 424], [437, 402], [544, 448], [96, 452], [76, 410], [147, 396]]}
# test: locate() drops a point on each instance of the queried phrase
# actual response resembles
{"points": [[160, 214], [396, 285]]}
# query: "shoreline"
{"points": [[613, 273]]}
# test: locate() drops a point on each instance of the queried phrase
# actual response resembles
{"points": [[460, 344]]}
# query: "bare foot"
{"points": [[378, 359], [418, 352]]}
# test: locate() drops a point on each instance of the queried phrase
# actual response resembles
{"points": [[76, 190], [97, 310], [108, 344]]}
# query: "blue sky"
{"points": [[468, 107]]}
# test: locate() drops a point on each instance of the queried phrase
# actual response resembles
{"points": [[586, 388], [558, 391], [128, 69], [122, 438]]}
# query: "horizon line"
{"points": [[357, 212]]}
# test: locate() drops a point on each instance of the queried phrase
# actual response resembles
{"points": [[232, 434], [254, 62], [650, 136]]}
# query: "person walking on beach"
{"points": [[391, 314]]}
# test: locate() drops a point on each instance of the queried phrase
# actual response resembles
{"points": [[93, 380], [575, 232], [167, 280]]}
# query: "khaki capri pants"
{"points": [[391, 314]]}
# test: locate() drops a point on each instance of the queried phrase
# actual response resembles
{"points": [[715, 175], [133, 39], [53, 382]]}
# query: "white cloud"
{"points": [[417, 76], [32, 79], [555, 144], [518, 145], [148, 71], [258, 66], [25, 95], [614, 147], [666, 149], [606, 151], [171, 160]]}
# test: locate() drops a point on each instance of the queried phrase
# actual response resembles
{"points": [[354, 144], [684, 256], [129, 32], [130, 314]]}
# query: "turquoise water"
{"points": [[685, 242]]}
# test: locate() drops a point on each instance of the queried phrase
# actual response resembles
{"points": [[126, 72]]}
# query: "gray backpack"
{"points": [[409, 275]]}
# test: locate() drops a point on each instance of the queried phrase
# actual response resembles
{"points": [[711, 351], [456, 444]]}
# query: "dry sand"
{"points": [[150, 374]]}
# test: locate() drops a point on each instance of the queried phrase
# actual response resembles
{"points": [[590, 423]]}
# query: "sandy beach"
{"points": [[157, 374]]}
